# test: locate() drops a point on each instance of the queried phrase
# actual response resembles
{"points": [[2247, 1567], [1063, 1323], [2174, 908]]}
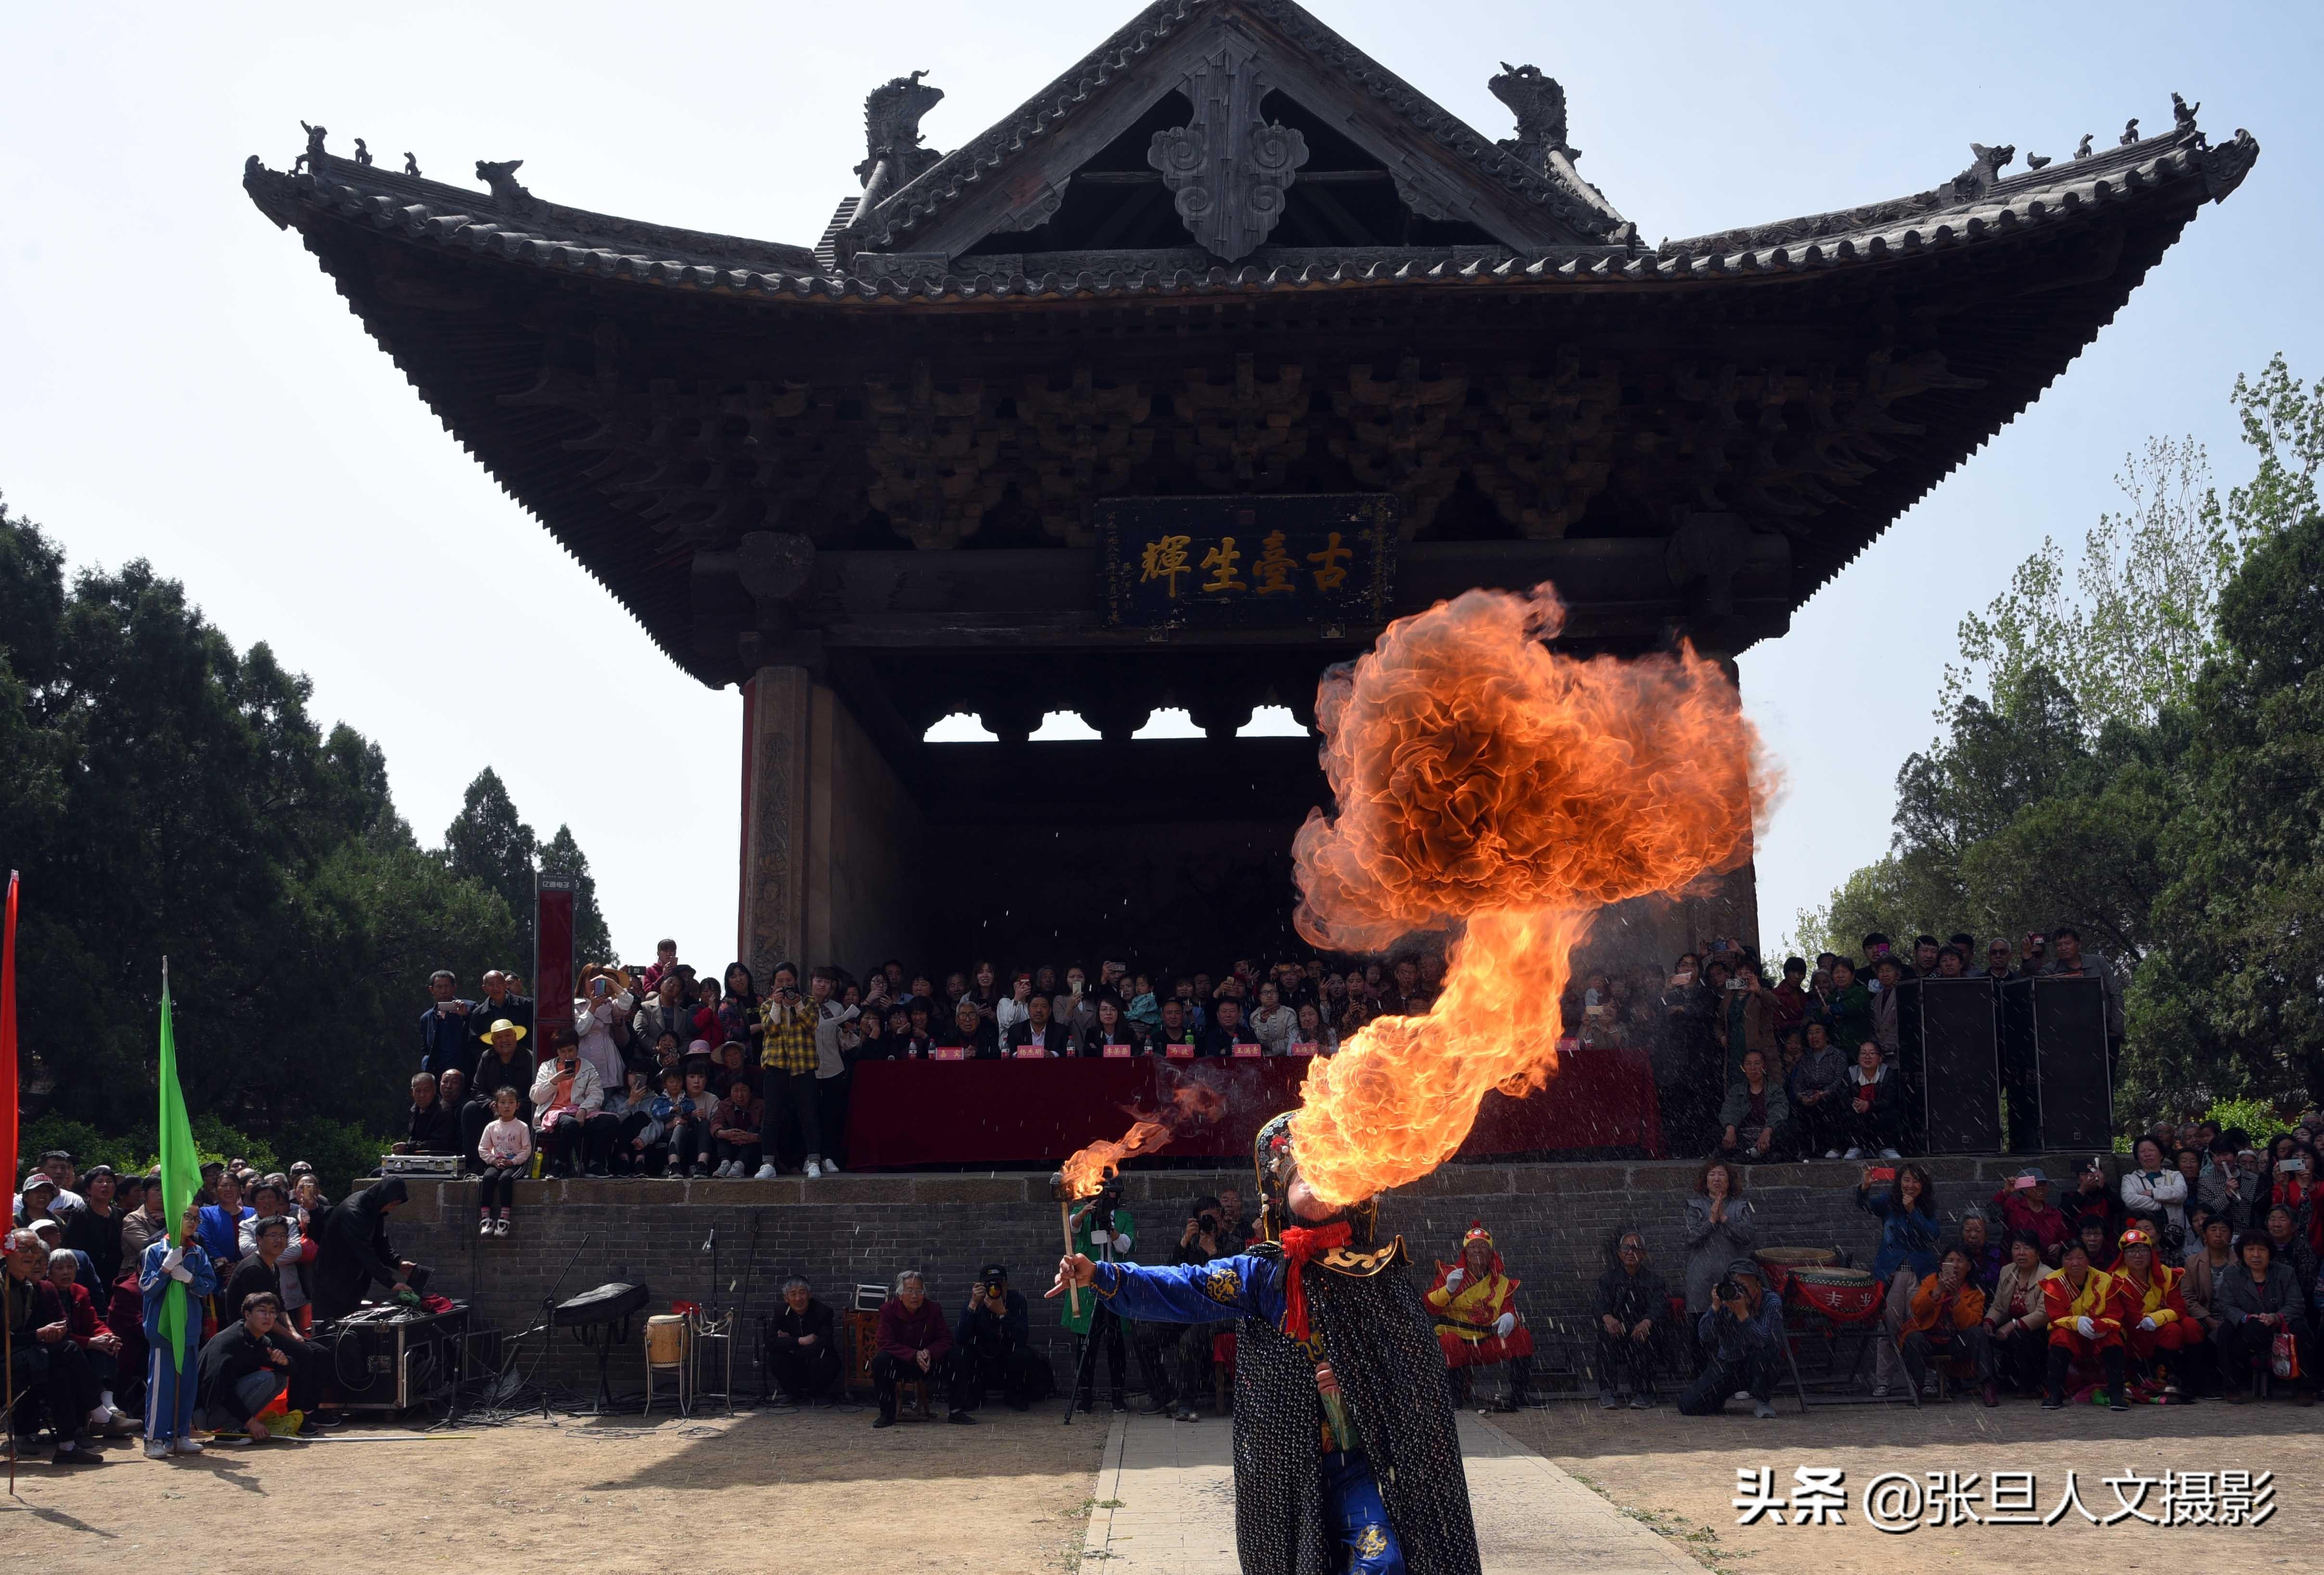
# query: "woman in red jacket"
{"points": [[2078, 1299]]}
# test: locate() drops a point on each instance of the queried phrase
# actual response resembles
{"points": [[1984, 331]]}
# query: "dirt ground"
{"points": [[817, 1489], [1679, 1474]]}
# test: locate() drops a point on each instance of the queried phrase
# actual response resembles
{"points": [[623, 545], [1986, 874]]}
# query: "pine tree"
{"points": [[561, 855], [488, 844]]}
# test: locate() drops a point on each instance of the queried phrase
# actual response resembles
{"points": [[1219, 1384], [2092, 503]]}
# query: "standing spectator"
{"points": [[271, 1200], [914, 1344], [595, 1013], [1997, 969], [569, 1097], [740, 1009], [170, 1385], [1632, 1301], [444, 1026], [505, 1151], [2015, 1334], [221, 1227], [2024, 1204], [1750, 1015], [667, 1010], [2095, 1200], [96, 1228], [1015, 1007], [2078, 1299], [1791, 997], [995, 1347], [1944, 1308], [2256, 1300], [832, 1077], [787, 1061], [1208, 1234], [803, 1346], [734, 1128], [1144, 1009], [1887, 1006], [663, 966], [1755, 1123], [2070, 963], [1718, 1230], [1104, 1230], [1273, 1022], [1905, 1204], [1038, 1030], [1851, 1006], [501, 1002], [2155, 1193], [2290, 1244], [1872, 1117], [1741, 1336]]}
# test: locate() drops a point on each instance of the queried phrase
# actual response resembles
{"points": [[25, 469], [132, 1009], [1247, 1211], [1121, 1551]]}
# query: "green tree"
{"points": [[591, 936], [489, 843]]}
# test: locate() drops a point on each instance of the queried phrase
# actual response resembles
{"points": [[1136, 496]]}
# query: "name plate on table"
{"points": [[1297, 1048], [949, 1052], [1180, 1052], [1115, 1052], [1032, 1053], [1249, 1052]]}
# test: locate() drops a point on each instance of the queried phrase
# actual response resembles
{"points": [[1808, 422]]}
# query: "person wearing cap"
{"points": [[2024, 1204], [1741, 1334], [2083, 1327], [35, 1201], [995, 1338], [2153, 1313], [504, 1063]]}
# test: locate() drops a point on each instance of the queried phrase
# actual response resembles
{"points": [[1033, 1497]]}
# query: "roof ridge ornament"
{"points": [[892, 135], [311, 161], [2129, 133], [2182, 113], [1538, 101], [501, 179], [1985, 168], [2082, 148]]}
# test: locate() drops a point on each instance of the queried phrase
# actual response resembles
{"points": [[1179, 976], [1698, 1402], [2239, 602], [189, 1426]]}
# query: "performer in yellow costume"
{"points": [[1477, 1319]]}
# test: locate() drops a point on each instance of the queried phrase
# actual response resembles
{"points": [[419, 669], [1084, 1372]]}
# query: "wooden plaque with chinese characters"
{"points": [[1210, 563]]}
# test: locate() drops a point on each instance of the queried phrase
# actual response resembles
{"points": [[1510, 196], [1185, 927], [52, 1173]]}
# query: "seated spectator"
{"points": [[431, 1129], [632, 1113], [1038, 1030], [1016, 1006], [2095, 1199], [271, 1200], [2104, 1255], [966, 1030], [2257, 1299], [913, 1345], [1111, 1031], [1177, 1031], [803, 1348], [503, 1064], [1272, 1022], [1228, 1035], [45, 1362], [1905, 1200], [244, 1369], [100, 1347], [1144, 1009], [1817, 1091], [505, 1152], [691, 1139], [2078, 1299], [569, 1100], [1872, 1117], [1943, 1309], [1755, 1123], [995, 1347], [649, 1146], [1742, 1337], [272, 1268], [222, 1223], [2290, 1243], [1313, 1036], [727, 1067], [916, 1042], [1477, 1319], [2010, 1343], [735, 1125], [2024, 1204], [1632, 1303], [2151, 1312]]}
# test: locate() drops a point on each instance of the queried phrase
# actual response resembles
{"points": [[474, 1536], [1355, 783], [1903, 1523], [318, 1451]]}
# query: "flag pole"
{"points": [[8, 1055]]}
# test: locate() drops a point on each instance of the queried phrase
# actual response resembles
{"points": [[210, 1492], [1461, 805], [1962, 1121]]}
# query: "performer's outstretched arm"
{"points": [[1193, 1292]]}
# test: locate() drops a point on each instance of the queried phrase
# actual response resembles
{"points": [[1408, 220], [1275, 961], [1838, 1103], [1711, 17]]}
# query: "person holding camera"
{"points": [[1206, 1235], [1742, 1339], [995, 1341], [787, 1061]]}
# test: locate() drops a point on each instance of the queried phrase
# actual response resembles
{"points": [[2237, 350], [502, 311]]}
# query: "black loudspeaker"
{"points": [[2053, 1052], [1949, 1031]]}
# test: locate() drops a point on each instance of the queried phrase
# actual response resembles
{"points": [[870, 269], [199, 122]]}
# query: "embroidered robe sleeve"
{"points": [[1194, 1293]]}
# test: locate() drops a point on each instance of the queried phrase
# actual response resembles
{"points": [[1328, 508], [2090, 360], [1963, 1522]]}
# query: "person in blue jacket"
{"points": [[1345, 1452], [1905, 1204], [172, 1384]]}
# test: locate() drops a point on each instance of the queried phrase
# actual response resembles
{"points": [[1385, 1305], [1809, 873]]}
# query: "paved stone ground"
{"points": [[1165, 1506]]}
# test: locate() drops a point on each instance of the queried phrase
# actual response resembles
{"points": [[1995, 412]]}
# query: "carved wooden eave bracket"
{"points": [[1227, 169]]}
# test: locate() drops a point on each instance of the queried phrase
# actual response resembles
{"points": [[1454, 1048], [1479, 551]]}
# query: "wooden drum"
{"points": [[666, 1340]]}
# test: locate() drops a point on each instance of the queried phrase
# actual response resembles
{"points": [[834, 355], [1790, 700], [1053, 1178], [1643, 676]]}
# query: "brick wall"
{"points": [[1552, 1223]]}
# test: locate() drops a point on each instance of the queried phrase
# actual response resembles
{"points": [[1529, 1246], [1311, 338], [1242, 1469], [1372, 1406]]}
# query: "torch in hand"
{"points": [[1063, 1194]]}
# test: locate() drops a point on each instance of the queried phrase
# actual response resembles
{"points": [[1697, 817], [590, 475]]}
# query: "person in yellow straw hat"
{"points": [[503, 1064]]}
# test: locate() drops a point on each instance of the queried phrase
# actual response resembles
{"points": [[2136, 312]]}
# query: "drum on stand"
{"points": [[666, 1340]]}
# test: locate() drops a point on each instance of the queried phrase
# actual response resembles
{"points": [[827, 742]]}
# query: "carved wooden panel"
{"points": [[1545, 444], [1227, 169], [934, 458], [1395, 438], [1243, 435], [1083, 441]]}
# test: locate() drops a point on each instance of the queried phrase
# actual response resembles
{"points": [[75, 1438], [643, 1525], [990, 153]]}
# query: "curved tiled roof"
{"points": [[574, 241]]}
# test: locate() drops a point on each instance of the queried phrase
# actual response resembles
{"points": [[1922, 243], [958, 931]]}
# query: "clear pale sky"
{"points": [[177, 380]]}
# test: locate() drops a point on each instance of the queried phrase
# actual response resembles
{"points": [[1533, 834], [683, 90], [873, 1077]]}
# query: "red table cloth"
{"points": [[1007, 1113]]}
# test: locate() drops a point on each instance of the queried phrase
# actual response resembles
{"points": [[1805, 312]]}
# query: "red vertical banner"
{"points": [[8, 1035], [553, 966]]}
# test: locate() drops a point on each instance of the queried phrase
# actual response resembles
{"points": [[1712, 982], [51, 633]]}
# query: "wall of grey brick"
{"points": [[1552, 1220]]}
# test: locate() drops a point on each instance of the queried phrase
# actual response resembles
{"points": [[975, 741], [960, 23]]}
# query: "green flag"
{"points": [[181, 1167]]}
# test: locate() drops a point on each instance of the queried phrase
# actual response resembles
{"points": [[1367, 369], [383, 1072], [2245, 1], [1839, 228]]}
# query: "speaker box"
{"points": [[1949, 1032], [2055, 1058]]}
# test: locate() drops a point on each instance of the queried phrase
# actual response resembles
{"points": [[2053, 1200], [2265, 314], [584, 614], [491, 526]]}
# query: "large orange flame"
{"points": [[1488, 782], [1087, 1172]]}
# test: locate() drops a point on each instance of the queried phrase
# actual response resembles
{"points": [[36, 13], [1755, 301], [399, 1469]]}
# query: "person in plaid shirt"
{"points": [[787, 1061]]}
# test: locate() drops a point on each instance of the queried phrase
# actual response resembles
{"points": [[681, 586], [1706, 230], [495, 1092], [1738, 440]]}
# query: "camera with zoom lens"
{"points": [[1727, 1290]]}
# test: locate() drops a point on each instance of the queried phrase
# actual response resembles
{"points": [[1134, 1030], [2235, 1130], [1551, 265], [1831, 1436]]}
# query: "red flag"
{"points": [[8, 1037]]}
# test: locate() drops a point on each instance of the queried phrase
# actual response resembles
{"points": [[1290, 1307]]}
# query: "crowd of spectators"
{"points": [[665, 1072]]}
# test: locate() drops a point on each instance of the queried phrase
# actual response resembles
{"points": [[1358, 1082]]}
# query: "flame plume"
{"points": [[1486, 780], [1088, 1171]]}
